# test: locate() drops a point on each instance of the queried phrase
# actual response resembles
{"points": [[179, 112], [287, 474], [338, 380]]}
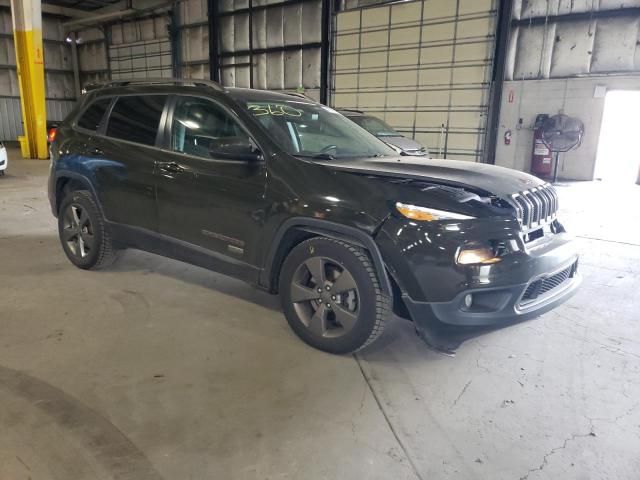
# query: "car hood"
{"points": [[403, 143], [478, 177]]}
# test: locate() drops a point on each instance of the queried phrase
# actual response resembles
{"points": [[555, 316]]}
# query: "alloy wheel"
{"points": [[325, 296], [77, 231]]}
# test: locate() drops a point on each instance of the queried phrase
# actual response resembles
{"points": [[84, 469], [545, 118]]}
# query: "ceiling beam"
{"points": [[102, 18], [97, 19], [55, 10]]}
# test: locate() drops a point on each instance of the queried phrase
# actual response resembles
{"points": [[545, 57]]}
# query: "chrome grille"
{"points": [[536, 207]]}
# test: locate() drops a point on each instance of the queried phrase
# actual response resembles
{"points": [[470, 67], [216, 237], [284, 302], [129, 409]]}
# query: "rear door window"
{"points": [[92, 116], [136, 118]]}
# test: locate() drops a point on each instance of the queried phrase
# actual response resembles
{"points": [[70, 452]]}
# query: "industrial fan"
{"points": [[561, 133]]}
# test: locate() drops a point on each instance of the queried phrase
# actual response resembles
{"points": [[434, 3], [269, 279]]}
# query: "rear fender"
{"points": [[61, 177]]}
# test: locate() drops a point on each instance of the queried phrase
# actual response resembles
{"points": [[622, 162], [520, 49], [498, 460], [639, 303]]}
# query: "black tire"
{"points": [[320, 322], [83, 233]]}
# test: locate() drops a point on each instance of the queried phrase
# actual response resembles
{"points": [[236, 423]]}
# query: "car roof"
{"points": [[148, 89], [351, 111], [253, 94], [206, 88]]}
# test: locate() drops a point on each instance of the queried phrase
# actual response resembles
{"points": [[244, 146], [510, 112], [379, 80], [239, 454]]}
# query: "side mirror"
{"points": [[234, 148]]}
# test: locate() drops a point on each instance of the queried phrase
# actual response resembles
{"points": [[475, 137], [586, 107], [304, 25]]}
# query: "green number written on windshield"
{"points": [[274, 109]]}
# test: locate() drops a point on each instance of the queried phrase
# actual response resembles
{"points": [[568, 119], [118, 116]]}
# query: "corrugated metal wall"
{"points": [[193, 26], [141, 48], [58, 75], [136, 48], [92, 55], [562, 38], [424, 66], [284, 48], [11, 115], [285, 45], [348, 4], [10, 118]]}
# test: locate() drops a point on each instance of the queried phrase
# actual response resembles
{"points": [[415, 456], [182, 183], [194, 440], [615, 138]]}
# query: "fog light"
{"points": [[476, 255], [468, 300]]}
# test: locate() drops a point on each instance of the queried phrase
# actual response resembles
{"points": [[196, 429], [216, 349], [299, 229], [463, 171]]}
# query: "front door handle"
{"points": [[170, 167]]}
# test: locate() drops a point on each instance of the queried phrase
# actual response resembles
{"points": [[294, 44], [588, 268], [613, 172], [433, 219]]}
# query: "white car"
{"points": [[3, 159]]}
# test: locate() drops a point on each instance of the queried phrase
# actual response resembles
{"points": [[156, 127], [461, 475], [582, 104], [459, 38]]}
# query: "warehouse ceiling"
{"points": [[87, 5]]}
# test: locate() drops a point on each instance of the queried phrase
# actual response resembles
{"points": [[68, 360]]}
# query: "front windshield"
{"points": [[376, 126], [306, 129]]}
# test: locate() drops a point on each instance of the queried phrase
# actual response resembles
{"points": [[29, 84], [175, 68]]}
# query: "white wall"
{"points": [[574, 97]]}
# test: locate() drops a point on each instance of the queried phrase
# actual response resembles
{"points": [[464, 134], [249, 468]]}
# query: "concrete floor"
{"points": [[160, 370]]}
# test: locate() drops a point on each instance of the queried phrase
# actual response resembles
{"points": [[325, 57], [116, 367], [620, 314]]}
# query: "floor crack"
{"points": [[386, 417], [615, 419], [464, 389], [607, 240], [554, 450]]}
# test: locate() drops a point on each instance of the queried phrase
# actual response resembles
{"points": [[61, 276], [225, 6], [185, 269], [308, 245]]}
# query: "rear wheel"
{"points": [[331, 295], [83, 234]]}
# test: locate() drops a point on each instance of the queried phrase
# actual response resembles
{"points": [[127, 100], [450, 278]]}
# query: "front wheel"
{"points": [[83, 233], [331, 295]]}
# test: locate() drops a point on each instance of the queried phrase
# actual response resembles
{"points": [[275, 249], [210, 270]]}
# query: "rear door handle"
{"points": [[170, 167]]}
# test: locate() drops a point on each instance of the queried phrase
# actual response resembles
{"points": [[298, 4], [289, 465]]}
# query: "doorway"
{"points": [[618, 158]]}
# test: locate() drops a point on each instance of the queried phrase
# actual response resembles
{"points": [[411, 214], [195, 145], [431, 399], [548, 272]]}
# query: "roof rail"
{"points": [[151, 81], [353, 110]]}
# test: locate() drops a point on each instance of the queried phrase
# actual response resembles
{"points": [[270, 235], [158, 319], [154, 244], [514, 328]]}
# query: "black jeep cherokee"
{"points": [[292, 197]]}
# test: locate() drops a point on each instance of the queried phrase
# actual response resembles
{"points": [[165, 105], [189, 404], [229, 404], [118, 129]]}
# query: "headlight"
{"points": [[470, 256], [428, 214]]}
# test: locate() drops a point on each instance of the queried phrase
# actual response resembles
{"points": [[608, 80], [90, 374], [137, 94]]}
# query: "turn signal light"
{"points": [[51, 136]]}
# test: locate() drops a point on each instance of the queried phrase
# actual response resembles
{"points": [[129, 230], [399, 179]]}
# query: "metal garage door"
{"points": [[424, 66]]}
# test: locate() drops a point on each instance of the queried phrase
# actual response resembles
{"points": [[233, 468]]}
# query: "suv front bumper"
{"points": [[532, 279], [493, 306]]}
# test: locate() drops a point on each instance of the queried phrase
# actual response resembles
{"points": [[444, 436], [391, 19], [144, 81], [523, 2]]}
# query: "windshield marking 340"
{"points": [[309, 130]]}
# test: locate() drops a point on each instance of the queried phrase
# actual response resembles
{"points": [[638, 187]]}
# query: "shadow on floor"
{"points": [[443, 338]]}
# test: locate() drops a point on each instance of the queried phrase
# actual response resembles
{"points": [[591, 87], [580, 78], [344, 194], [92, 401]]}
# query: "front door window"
{"points": [[202, 128]]}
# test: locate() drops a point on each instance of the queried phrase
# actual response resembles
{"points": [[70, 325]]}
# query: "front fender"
{"points": [[328, 229]]}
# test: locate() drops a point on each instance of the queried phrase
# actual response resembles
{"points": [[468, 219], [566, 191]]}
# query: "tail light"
{"points": [[51, 136]]}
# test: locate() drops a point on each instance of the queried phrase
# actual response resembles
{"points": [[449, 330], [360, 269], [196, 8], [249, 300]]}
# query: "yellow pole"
{"points": [[27, 37]]}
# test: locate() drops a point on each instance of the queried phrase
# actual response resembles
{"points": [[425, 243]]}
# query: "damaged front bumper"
{"points": [[530, 278]]}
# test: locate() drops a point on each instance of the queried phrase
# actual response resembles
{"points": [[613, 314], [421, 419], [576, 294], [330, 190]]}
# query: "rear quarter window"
{"points": [[136, 118], [93, 115]]}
